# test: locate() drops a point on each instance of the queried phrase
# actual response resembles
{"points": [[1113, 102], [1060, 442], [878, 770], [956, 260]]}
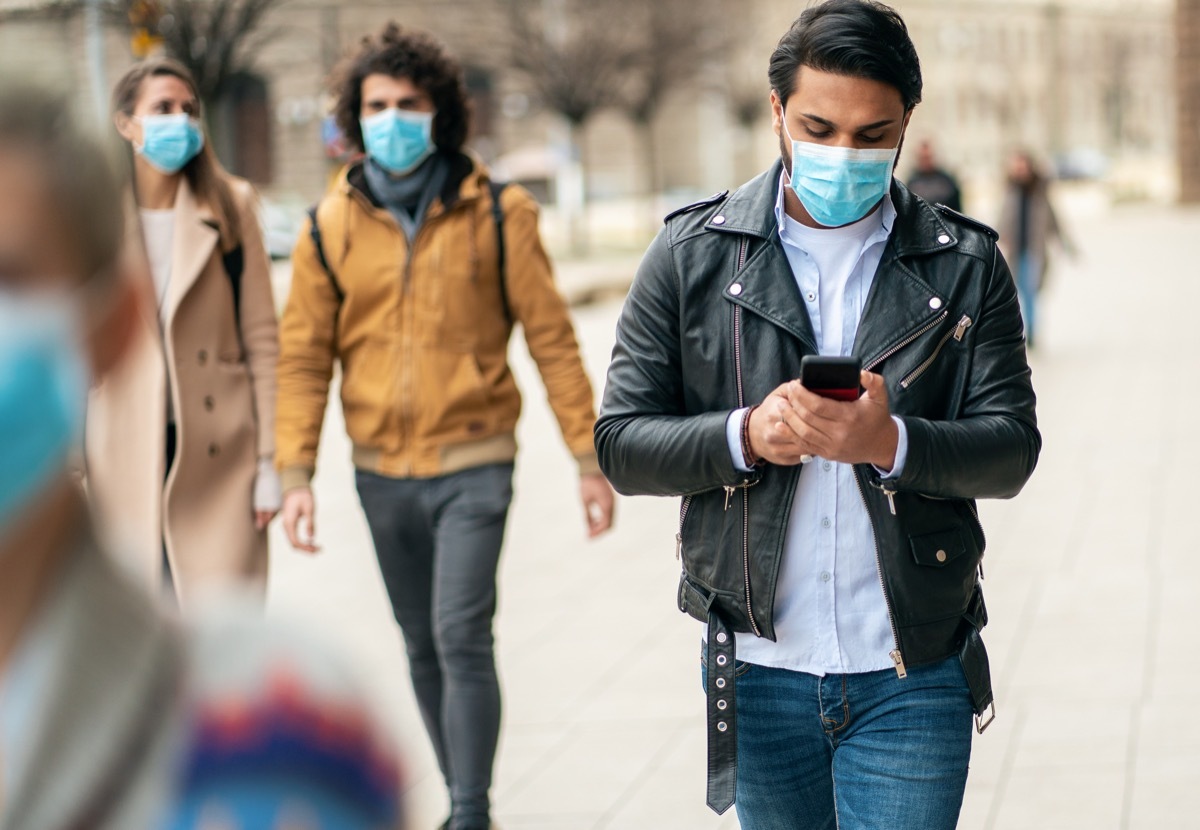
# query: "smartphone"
{"points": [[832, 377]]}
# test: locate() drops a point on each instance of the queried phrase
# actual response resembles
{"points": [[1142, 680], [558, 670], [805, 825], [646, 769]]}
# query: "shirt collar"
{"points": [[887, 213]]}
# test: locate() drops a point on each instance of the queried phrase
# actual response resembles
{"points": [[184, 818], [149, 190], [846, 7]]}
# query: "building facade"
{"points": [[1087, 83]]}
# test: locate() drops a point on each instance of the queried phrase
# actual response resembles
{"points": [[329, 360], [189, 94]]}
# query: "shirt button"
{"points": [[825, 522], [812, 298], [826, 576], [827, 466]]}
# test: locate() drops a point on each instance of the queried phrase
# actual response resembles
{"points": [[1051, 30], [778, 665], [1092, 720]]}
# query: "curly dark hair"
{"points": [[404, 53]]}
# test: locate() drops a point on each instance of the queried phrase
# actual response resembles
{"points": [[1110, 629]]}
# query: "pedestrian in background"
{"points": [[180, 445], [411, 275], [112, 715], [831, 545], [1028, 224], [932, 182]]}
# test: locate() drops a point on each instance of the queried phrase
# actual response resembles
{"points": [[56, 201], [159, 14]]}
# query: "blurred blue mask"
{"points": [[43, 394], [170, 141], [398, 140]]}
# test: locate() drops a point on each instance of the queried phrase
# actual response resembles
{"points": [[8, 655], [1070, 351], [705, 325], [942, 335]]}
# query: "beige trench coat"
{"points": [[220, 376]]}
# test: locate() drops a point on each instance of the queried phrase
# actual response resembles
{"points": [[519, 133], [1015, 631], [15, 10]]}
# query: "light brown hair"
{"points": [[207, 178]]}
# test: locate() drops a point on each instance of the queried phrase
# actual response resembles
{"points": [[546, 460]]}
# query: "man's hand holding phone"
{"points": [[823, 415]]}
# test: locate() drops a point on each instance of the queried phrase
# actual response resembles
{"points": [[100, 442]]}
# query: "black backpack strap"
{"points": [[235, 263], [314, 233], [496, 189]]}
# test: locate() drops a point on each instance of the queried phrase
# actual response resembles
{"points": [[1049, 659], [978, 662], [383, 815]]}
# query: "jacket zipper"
{"points": [[683, 511], [737, 366], [957, 333], [932, 324], [896, 655], [982, 535]]}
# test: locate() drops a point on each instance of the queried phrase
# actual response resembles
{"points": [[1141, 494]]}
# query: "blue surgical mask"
{"points": [[839, 185], [170, 141], [43, 394], [398, 140]]}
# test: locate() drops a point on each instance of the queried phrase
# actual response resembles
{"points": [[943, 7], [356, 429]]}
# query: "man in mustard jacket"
{"points": [[411, 279]]}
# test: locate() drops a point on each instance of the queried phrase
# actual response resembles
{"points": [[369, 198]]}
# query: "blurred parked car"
{"points": [[281, 224]]}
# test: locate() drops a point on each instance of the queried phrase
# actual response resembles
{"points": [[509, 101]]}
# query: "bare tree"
{"points": [[676, 44], [573, 55], [216, 39]]}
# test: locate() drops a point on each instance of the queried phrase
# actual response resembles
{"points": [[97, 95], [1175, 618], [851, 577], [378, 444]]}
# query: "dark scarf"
{"points": [[408, 197]]}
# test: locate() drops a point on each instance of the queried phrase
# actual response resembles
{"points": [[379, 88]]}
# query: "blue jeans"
{"points": [[1029, 282], [852, 751], [438, 542]]}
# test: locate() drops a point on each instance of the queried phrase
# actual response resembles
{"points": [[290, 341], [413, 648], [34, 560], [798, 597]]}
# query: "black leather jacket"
{"points": [[714, 322]]}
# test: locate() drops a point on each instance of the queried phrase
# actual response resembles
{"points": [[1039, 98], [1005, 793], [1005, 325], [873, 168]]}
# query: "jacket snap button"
{"points": [[943, 239], [935, 303], [735, 289], [213, 450], [720, 682], [722, 726], [722, 637], [940, 556], [722, 705], [722, 659], [718, 220]]}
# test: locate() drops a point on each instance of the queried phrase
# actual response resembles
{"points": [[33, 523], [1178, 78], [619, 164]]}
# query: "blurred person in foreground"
{"points": [[932, 182], [832, 547], [1028, 224], [411, 276], [111, 715], [181, 436]]}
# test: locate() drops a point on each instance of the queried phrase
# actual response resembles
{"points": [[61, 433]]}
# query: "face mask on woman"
{"points": [[398, 140], [839, 185], [43, 393], [170, 141]]}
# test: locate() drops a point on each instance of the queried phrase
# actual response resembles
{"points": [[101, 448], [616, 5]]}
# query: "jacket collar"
{"points": [[464, 182], [900, 304], [918, 228], [196, 236]]}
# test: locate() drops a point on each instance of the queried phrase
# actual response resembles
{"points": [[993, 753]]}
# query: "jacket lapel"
{"points": [[196, 237]]}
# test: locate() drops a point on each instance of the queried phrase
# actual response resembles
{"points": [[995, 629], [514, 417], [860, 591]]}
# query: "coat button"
{"points": [[722, 705], [735, 289], [209, 403], [213, 450], [718, 219], [940, 556], [935, 303], [722, 726], [720, 682], [943, 239], [722, 637], [202, 357]]}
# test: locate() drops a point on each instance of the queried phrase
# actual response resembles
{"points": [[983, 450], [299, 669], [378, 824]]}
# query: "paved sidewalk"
{"points": [[1092, 578]]}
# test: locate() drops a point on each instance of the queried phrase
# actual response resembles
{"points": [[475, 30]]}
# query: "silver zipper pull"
{"points": [[678, 546], [898, 659], [728, 494], [891, 497], [961, 330]]}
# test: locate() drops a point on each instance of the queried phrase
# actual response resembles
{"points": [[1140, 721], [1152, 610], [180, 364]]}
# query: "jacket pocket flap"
{"points": [[937, 549]]}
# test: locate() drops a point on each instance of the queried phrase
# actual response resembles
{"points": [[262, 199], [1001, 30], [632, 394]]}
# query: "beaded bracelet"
{"points": [[752, 461]]}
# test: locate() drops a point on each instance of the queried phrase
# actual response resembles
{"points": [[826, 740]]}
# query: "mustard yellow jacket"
{"points": [[421, 333]]}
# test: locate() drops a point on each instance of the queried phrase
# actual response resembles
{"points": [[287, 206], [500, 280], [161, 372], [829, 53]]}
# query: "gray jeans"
{"points": [[438, 543]]}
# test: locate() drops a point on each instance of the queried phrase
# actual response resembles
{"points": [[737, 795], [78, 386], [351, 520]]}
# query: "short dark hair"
{"points": [[860, 38], [404, 53]]}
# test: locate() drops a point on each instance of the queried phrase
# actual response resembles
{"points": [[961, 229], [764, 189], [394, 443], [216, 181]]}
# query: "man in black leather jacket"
{"points": [[834, 546]]}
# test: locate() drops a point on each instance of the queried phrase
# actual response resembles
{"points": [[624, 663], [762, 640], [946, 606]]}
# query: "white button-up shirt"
{"points": [[830, 613]]}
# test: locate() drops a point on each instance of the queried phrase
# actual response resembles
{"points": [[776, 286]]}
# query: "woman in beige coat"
{"points": [[180, 440]]}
